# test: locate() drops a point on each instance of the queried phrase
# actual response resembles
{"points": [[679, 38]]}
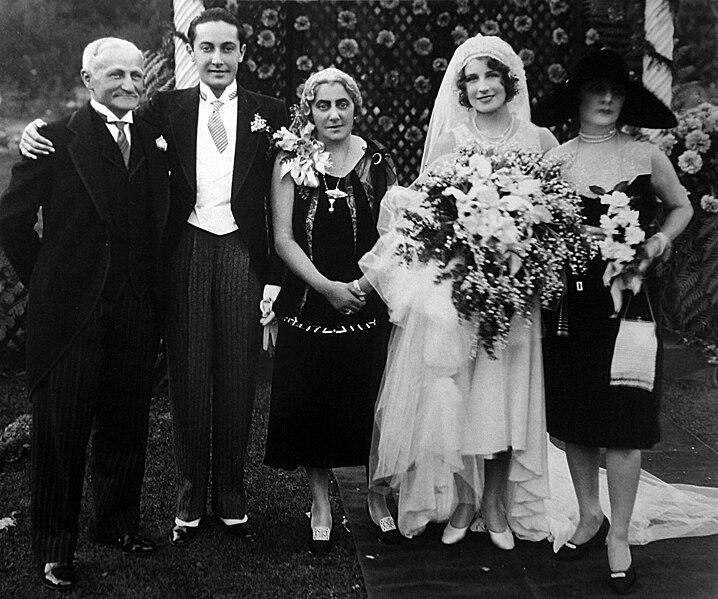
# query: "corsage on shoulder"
{"points": [[303, 154]]}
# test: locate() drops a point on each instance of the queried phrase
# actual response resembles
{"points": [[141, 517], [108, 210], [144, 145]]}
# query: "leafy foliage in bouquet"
{"points": [[690, 278], [502, 227]]}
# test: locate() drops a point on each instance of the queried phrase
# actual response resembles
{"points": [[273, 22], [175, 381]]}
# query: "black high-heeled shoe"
{"points": [[386, 531], [571, 552], [624, 582], [321, 540]]}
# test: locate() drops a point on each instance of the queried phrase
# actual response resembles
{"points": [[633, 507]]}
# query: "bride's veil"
{"points": [[448, 113]]}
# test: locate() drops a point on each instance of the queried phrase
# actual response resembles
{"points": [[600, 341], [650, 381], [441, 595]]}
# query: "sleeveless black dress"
{"points": [[581, 406], [327, 365]]}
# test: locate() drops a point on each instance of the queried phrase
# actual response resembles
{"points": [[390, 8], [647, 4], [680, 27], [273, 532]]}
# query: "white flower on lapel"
{"points": [[258, 124], [161, 143]]}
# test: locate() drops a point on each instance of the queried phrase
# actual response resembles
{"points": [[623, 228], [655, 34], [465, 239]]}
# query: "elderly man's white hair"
{"points": [[93, 49]]}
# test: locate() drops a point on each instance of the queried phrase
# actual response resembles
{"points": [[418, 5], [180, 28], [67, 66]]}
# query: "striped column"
{"points": [[185, 71], [657, 77]]}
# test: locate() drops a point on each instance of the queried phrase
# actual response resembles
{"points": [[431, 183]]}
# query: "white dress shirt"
{"points": [[111, 118]]}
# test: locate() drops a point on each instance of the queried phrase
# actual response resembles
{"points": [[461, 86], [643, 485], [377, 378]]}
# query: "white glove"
{"points": [[269, 319]]}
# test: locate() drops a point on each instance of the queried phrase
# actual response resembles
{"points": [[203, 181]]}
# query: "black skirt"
{"points": [[581, 405], [322, 405]]}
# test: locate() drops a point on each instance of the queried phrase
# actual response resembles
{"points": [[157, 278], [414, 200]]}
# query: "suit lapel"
{"points": [[158, 173], [85, 151], [137, 151], [247, 141], [182, 126]]}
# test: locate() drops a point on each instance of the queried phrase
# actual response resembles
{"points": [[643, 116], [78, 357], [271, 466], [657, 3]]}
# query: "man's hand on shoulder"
{"points": [[32, 143]]}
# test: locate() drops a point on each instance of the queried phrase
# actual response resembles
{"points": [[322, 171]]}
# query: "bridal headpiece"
{"points": [[448, 113]]}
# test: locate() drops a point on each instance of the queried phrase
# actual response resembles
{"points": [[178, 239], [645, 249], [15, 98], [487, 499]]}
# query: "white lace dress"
{"points": [[440, 413]]}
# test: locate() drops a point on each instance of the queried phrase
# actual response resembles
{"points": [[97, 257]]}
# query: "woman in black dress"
{"points": [[333, 331], [585, 408]]}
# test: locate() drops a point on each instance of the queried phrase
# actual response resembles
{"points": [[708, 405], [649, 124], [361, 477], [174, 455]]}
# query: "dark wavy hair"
{"points": [[212, 15], [508, 80]]}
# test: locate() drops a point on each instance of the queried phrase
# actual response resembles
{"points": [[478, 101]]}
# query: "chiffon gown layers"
{"points": [[582, 407], [328, 365], [439, 409]]}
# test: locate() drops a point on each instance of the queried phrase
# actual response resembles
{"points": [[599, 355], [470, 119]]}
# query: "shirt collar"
{"points": [[110, 116], [229, 93]]}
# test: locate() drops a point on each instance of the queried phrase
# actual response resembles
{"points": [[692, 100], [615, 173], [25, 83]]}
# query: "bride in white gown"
{"points": [[457, 436]]}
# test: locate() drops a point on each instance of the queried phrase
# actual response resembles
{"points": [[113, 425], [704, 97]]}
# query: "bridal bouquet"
{"points": [[502, 227], [622, 244]]}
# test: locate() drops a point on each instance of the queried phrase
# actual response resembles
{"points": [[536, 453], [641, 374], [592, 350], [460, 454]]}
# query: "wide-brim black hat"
{"points": [[641, 108]]}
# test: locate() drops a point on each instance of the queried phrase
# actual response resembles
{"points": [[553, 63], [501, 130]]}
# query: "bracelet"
{"points": [[355, 284], [664, 241]]}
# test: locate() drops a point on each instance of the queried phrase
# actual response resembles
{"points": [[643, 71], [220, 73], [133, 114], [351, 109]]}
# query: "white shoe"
{"points": [[503, 540], [452, 535]]}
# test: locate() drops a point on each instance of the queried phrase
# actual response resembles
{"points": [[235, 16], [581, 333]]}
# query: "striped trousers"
{"points": [[213, 341], [100, 388]]}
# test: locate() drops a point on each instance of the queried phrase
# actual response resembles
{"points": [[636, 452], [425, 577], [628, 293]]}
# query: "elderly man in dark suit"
{"points": [[92, 331]]}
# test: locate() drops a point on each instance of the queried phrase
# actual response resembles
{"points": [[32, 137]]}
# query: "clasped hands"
{"points": [[347, 298]]}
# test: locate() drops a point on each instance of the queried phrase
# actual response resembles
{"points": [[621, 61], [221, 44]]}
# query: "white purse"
{"points": [[634, 355]]}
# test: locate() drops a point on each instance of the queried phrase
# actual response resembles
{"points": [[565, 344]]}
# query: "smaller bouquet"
{"points": [[621, 248], [304, 155]]}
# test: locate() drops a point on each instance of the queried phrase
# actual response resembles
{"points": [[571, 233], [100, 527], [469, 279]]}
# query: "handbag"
{"points": [[634, 354]]}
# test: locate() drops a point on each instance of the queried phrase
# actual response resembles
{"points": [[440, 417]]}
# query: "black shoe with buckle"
{"points": [[571, 552], [321, 540], [624, 582], [386, 531], [181, 536], [62, 577]]}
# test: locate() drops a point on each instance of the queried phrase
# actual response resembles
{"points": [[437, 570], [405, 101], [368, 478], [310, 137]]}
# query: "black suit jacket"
{"points": [[66, 270], [176, 112]]}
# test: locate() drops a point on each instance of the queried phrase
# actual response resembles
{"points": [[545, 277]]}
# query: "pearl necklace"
{"points": [[597, 139], [497, 139]]}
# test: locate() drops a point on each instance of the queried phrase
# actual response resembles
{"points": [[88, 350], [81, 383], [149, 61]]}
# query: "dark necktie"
{"points": [[122, 142]]}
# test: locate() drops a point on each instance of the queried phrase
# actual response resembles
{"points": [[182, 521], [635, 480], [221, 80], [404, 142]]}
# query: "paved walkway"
{"points": [[424, 568]]}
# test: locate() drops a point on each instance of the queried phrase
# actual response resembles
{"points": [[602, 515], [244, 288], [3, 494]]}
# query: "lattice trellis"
{"points": [[397, 50]]}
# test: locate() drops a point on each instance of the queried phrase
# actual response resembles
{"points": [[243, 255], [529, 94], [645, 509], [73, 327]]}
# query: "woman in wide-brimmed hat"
{"points": [[597, 395]]}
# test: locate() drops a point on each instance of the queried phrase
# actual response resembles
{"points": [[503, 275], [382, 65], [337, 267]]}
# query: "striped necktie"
{"points": [[215, 124], [122, 142]]}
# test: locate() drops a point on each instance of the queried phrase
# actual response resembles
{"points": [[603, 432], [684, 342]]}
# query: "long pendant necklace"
{"points": [[499, 139], [333, 194], [597, 139]]}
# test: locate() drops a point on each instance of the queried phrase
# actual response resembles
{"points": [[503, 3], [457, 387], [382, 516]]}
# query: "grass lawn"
{"points": [[274, 564]]}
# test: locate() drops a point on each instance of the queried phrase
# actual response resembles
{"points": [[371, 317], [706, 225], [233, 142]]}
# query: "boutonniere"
{"points": [[161, 143], [258, 124]]}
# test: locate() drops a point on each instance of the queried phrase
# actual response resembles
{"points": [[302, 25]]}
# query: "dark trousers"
{"points": [[100, 387], [213, 337]]}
